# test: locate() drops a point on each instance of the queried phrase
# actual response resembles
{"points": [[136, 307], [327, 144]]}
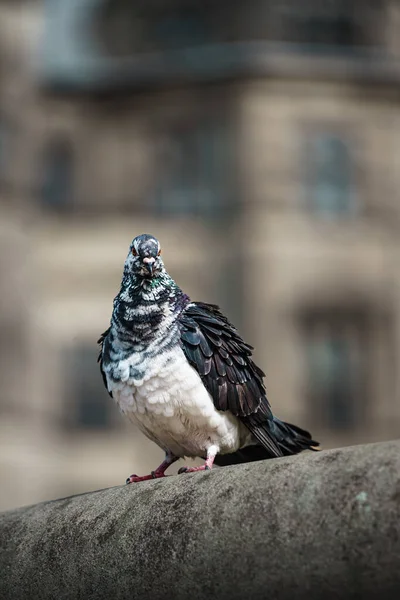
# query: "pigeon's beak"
{"points": [[149, 264]]}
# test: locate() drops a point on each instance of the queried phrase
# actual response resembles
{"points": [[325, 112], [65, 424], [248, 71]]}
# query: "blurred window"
{"points": [[329, 23], [88, 406], [188, 36], [194, 175], [57, 179], [336, 352], [182, 28], [148, 26], [129, 28], [331, 189]]}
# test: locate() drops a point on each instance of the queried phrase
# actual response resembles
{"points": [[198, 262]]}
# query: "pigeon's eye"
{"points": [[134, 252]]}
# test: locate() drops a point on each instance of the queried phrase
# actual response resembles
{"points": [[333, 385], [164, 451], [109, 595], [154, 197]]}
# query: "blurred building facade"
{"points": [[260, 143]]}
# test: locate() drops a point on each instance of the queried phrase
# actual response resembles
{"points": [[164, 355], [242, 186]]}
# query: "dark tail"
{"points": [[292, 439], [289, 438]]}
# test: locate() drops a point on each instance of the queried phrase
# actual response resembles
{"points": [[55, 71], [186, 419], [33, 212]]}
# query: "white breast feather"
{"points": [[173, 408]]}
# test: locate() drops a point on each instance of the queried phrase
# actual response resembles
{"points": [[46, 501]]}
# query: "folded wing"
{"points": [[223, 360]]}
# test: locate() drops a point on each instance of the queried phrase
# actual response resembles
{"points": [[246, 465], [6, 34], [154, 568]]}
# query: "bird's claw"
{"points": [[129, 479], [204, 467], [153, 475]]}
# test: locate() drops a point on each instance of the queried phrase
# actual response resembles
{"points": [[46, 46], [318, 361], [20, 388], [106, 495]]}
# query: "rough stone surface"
{"points": [[315, 526]]}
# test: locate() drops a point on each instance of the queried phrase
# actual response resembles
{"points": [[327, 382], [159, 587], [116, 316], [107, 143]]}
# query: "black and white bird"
{"points": [[181, 372]]}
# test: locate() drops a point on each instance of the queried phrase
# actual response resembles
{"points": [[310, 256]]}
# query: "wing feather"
{"points": [[101, 341], [223, 360]]}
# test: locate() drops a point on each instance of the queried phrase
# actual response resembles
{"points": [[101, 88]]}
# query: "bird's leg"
{"points": [[211, 454], [159, 472]]}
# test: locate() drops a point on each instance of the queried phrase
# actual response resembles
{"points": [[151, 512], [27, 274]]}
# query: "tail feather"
{"points": [[292, 439], [289, 438]]}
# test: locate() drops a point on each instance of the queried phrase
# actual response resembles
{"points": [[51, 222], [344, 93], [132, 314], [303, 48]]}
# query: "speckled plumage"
{"points": [[180, 371]]}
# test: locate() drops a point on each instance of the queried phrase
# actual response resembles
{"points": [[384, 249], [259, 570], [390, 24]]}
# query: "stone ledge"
{"points": [[315, 526]]}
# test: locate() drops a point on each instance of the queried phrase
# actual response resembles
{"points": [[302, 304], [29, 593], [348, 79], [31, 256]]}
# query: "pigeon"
{"points": [[180, 371]]}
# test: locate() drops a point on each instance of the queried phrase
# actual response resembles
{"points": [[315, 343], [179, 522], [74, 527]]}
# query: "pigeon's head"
{"points": [[143, 259]]}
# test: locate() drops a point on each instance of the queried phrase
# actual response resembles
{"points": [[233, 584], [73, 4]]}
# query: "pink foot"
{"points": [[206, 467], [193, 469], [207, 464], [159, 472], [153, 475]]}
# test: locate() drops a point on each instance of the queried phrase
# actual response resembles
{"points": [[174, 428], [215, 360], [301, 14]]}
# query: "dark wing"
{"points": [[100, 341], [223, 360]]}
